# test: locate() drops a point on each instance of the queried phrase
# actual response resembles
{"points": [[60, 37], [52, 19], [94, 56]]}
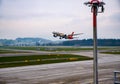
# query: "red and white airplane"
{"points": [[62, 35]]}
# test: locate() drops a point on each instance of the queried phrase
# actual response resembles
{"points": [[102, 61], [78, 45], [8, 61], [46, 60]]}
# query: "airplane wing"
{"points": [[77, 34], [75, 37], [55, 32], [58, 33]]}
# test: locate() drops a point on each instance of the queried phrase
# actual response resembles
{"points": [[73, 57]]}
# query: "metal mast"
{"points": [[95, 5]]}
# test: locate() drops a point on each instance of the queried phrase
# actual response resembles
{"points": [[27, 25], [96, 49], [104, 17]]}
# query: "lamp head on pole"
{"points": [[96, 3]]}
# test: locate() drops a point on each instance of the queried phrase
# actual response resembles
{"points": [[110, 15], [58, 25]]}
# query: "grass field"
{"points": [[51, 48], [39, 59], [4, 51], [113, 52], [14, 61]]}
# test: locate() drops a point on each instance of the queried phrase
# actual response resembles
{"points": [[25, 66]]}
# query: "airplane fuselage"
{"points": [[62, 35]]}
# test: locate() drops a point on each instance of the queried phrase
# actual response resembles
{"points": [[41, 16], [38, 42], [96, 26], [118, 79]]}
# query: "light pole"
{"points": [[95, 5]]}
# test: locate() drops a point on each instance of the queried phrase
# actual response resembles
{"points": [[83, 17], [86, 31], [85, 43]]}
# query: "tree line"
{"points": [[44, 42], [89, 42]]}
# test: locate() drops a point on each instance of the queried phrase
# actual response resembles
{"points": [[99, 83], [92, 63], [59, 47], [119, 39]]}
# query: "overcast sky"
{"points": [[39, 18]]}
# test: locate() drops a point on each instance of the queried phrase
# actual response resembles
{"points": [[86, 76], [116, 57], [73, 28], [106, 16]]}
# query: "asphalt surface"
{"points": [[80, 72]]}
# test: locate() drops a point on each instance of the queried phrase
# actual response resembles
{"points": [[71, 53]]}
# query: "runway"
{"points": [[80, 72]]}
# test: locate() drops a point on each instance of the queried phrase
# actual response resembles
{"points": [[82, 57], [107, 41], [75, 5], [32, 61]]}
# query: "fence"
{"points": [[116, 77]]}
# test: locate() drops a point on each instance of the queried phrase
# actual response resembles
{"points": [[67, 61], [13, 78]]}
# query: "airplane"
{"points": [[62, 35]]}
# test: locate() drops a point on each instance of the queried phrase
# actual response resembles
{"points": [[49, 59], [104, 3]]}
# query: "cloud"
{"points": [[118, 1], [115, 17], [41, 17], [26, 16]]}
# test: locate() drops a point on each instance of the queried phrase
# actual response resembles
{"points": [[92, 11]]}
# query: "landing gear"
{"points": [[60, 38], [54, 35], [65, 36]]}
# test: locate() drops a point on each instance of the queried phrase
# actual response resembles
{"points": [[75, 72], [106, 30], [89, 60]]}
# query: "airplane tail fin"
{"points": [[72, 33]]}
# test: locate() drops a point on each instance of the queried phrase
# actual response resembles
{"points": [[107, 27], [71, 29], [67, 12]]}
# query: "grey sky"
{"points": [[38, 18]]}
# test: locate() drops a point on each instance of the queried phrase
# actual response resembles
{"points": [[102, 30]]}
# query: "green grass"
{"points": [[111, 52], [3, 51], [39, 59], [49, 48], [19, 48]]}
